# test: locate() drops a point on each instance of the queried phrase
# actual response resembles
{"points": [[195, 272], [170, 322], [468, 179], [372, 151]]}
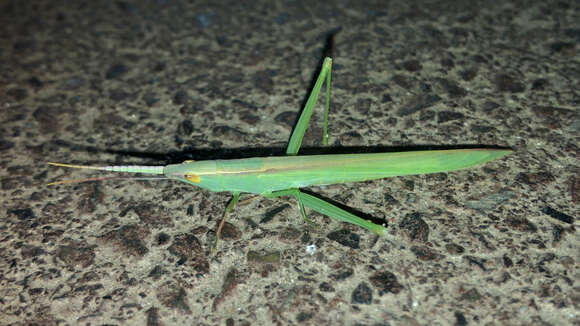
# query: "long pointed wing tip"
{"points": [[503, 152], [495, 153]]}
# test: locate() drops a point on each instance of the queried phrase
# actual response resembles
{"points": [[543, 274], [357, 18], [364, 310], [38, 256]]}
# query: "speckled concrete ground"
{"points": [[153, 82]]}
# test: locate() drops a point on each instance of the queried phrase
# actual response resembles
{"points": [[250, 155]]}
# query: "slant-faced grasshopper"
{"points": [[285, 175]]}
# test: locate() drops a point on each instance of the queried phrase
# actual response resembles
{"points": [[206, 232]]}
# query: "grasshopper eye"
{"points": [[192, 177]]}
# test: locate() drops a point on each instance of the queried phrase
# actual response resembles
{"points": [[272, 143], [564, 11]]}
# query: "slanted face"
{"points": [[197, 173]]}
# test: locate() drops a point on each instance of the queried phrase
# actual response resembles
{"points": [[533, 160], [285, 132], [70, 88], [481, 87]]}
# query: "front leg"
{"points": [[229, 207]]}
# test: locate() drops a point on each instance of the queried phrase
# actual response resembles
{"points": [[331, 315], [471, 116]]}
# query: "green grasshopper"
{"points": [[285, 175]]}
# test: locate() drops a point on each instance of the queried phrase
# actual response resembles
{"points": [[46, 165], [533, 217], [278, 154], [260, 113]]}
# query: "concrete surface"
{"points": [[156, 82]]}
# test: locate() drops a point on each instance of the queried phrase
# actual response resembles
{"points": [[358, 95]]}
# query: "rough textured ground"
{"points": [[153, 82]]}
